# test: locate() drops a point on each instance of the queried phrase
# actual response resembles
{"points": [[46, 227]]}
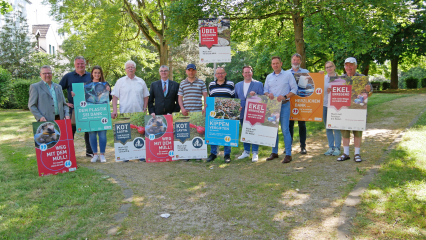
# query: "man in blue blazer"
{"points": [[163, 95], [47, 101], [242, 90]]}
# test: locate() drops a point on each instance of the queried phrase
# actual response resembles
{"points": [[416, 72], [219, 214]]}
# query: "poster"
{"points": [[223, 121], [347, 103], [189, 134], [307, 105], [129, 136], [215, 40], [54, 146], [159, 138], [261, 120], [91, 107]]}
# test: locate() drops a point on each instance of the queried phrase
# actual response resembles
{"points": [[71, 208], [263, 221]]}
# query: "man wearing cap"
{"points": [[191, 91], [281, 84], [350, 69], [295, 68]]}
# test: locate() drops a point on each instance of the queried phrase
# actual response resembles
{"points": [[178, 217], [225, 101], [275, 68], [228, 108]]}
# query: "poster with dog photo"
{"points": [[54, 146], [189, 134], [261, 121], [159, 138], [307, 105], [347, 103], [91, 106], [223, 121], [129, 136]]}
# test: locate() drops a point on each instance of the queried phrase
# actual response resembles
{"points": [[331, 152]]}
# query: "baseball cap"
{"points": [[350, 60], [191, 66]]}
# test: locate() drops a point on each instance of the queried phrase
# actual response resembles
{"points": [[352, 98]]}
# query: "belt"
{"points": [[285, 101]]}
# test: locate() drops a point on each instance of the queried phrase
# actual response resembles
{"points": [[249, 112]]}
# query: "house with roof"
{"points": [[47, 40]]}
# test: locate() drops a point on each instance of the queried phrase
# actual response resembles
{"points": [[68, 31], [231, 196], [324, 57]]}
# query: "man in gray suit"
{"points": [[47, 101]]}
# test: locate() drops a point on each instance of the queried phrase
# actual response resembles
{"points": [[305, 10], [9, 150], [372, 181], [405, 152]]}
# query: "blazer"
{"points": [[40, 102], [255, 86], [160, 104]]}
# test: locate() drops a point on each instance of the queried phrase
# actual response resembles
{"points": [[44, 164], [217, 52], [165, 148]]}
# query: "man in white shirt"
{"points": [[132, 92]]}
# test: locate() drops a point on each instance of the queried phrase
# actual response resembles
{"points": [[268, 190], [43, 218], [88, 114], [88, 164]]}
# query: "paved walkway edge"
{"points": [[349, 209], [128, 198]]}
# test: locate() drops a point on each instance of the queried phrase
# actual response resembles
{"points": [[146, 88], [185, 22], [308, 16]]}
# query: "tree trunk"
{"points": [[298, 36], [170, 64], [394, 73], [365, 68]]}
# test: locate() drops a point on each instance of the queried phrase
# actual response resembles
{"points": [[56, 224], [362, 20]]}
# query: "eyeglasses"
{"points": [[47, 73], [329, 67], [164, 71], [220, 73]]}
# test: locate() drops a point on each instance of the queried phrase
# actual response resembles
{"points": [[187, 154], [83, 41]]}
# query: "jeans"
{"points": [[302, 132], [284, 120], [213, 149], [334, 136], [255, 147], [94, 142]]}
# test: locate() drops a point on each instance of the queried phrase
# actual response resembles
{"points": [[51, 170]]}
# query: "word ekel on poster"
{"points": [[307, 105]]}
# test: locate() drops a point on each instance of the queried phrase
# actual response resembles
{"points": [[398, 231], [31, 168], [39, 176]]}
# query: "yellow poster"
{"points": [[307, 104]]}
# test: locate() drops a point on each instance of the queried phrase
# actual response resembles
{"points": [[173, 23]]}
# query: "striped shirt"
{"points": [[192, 94], [225, 90]]}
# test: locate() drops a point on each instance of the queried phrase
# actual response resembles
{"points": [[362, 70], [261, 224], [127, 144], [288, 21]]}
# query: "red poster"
{"points": [[208, 36], [159, 138], [54, 147], [255, 112], [340, 96]]}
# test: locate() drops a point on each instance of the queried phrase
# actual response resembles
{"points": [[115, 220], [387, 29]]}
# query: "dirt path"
{"points": [[308, 209]]}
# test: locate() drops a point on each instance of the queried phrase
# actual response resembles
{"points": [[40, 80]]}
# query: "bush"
{"points": [[5, 78], [423, 83], [385, 85], [21, 90], [411, 82]]}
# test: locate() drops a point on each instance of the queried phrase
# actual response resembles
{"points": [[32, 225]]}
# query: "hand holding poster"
{"points": [[307, 104], [189, 134], [54, 147], [159, 138], [223, 124], [129, 136], [215, 38], [261, 121], [347, 103], [92, 110]]}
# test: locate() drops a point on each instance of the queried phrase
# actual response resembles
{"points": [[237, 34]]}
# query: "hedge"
{"points": [[411, 82], [5, 78], [21, 90], [423, 83], [385, 85]]}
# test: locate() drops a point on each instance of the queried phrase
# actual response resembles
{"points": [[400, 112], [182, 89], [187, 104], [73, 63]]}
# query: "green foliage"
{"points": [[411, 82], [385, 85], [5, 7], [138, 119], [5, 77], [21, 88], [423, 82]]}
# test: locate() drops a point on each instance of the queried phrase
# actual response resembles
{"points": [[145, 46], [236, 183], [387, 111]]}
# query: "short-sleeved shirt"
{"points": [[131, 93], [225, 90], [70, 78], [192, 94], [300, 70], [280, 84]]}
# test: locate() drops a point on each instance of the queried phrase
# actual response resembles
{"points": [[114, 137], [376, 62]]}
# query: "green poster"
{"points": [[91, 106]]}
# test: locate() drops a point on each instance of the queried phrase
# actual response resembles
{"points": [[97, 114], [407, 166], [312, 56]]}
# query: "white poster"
{"points": [[215, 40]]}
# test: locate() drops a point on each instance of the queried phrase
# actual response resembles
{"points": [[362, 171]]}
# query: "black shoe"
{"points": [[227, 158], [126, 161], [284, 151], [211, 157], [303, 151], [142, 159], [90, 155], [186, 160]]}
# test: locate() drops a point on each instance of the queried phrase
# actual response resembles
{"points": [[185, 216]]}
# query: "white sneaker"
{"points": [[244, 155], [94, 158], [103, 158], [255, 157]]}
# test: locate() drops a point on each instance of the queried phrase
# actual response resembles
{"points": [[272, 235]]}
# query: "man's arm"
{"points": [[205, 102], [114, 107], [33, 103], [151, 108], [145, 102], [180, 100]]}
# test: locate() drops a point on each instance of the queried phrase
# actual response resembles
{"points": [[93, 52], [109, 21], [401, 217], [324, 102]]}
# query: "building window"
{"points": [[53, 50], [50, 49]]}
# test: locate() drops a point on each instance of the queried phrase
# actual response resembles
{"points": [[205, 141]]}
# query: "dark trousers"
{"points": [[86, 138], [302, 132]]}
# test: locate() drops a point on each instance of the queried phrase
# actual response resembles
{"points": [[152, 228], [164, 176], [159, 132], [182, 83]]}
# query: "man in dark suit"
{"points": [[163, 95], [47, 101]]}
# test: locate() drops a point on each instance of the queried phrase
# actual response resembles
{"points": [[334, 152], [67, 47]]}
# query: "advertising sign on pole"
{"points": [[215, 40]]}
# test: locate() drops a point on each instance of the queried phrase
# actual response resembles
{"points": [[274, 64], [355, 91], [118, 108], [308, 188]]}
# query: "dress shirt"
{"points": [[55, 100], [280, 84], [167, 85], [300, 70], [131, 93]]}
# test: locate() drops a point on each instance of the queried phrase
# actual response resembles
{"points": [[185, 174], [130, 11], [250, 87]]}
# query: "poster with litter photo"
{"points": [[215, 40]]}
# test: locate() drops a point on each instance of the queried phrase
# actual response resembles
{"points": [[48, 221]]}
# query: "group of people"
{"points": [[47, 102]]}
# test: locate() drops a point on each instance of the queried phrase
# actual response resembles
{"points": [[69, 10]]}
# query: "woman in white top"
{"points": [[334, 136]]}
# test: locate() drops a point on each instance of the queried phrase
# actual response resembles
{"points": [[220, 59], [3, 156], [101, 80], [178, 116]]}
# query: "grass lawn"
{"points": [[394, 206], [73, 205]]}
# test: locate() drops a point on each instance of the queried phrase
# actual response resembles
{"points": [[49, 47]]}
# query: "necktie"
{"points": [[165, 89]]}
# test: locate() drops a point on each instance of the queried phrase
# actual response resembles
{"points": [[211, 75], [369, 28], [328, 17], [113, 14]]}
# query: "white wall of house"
{"points": [[18, 6]]}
